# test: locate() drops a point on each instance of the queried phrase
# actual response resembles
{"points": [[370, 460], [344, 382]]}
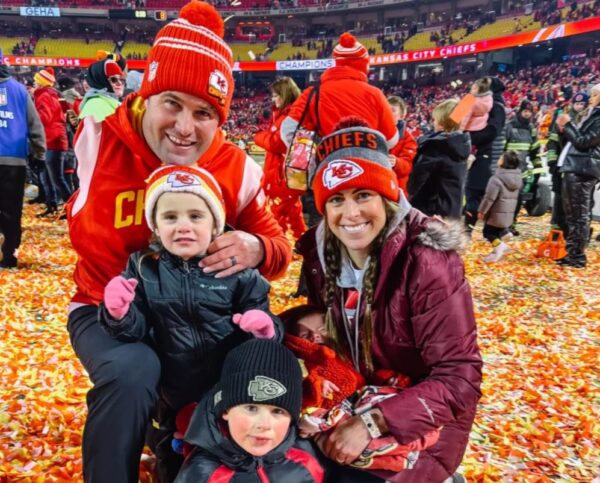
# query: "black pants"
{"points": [[311, 214], [125, 378], [12, 188], [473, 200], [577, 193], [558, 212], [491, 233]]}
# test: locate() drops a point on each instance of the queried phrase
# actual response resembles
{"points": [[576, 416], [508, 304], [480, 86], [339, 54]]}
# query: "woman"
{"points": [[107, 83], [397, 299], [284, 202], [579, 162]]}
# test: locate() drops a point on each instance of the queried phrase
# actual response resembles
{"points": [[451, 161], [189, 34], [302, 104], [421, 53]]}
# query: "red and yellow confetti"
{"points": [[538, 331]]}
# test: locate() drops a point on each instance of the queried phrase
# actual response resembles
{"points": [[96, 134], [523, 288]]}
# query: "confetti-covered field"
{"points": [[539, 329]]}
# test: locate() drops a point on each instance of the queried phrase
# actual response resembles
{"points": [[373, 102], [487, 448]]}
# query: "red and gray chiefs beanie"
{"points": [[351, 52], [189, 55], [353, 157]]}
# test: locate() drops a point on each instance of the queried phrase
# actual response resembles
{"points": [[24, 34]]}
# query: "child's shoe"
{"points": [[497, 253]]}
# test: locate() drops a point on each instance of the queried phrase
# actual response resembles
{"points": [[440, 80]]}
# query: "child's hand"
{"points": [[118, 295], [257, 322], [480, 216], [328, 389]]}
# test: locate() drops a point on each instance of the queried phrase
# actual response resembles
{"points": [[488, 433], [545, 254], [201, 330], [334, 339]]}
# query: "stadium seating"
{"points": [[8, 43], [71, 47]]}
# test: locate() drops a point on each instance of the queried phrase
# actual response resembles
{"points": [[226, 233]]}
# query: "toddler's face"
{"points": [[312, 328], [184, 224], [257, 428], [474, 89]]}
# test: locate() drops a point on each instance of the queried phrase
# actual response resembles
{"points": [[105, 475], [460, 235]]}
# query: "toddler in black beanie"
{"points": [[245, 425]]}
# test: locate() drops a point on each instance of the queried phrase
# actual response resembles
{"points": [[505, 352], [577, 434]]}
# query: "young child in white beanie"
{"points": [[192, 318]]}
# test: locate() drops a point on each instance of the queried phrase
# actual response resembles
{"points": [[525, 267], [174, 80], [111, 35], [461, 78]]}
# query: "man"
{"points": [[19, 124], [343, 91], [521, 137], [183, 100], [47, 102]]}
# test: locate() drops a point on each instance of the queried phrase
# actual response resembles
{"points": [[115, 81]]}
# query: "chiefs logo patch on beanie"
{"points": [[338, 172]]}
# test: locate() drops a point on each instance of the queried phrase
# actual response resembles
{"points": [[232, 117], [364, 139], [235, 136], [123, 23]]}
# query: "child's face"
{"points": [[184, 224], [474, 89], [312, 328], [397, 112], [500, 161], [257, 428]]}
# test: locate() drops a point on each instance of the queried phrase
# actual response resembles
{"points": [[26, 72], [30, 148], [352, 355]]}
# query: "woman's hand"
{"points": [[346, 442]]}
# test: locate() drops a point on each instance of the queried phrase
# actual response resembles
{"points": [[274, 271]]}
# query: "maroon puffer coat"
{"points": [[424, 326], [53, 118]]}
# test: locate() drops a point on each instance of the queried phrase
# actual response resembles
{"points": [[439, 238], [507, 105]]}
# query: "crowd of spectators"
{"points": [[546, 86]]}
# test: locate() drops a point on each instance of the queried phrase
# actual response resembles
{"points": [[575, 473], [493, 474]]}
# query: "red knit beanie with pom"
{"points": [[351, 52], [189, 55]]}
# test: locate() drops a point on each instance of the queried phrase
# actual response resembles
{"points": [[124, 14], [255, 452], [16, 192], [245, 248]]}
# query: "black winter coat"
{"points": [[583, 157], [436, 183], [217, 458], [187, 313]]}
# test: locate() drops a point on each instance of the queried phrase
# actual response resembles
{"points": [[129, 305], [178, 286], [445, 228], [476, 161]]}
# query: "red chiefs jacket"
{"points": [[106, 214], [53, 118], [343, 92], [404, 151], [274, 176]]}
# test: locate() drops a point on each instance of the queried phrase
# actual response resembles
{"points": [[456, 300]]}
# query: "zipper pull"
{"points": [[186, 267]]}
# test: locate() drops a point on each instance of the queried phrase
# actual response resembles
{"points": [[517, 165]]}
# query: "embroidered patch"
{"points": [[340, 171], [152, 68], [263, 388], [182, 179], [218, 86]]}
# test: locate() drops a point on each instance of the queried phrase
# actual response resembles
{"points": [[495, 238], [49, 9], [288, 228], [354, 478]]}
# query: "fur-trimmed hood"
{"points": [[444, 235]]}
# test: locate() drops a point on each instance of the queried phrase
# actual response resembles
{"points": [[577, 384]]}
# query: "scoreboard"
{"points": [[130, 14]]}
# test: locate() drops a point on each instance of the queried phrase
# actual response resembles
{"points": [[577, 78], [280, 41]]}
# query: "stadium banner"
{"points": [[517, 40], [327, 7], [39, 11], [457, 50]]}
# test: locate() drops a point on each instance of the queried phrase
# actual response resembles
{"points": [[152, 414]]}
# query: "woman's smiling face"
{"points": [[356, 217]]}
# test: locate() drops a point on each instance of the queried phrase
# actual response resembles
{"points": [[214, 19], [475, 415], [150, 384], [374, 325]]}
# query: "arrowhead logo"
{"points": [[340, 171], [263, 388]]}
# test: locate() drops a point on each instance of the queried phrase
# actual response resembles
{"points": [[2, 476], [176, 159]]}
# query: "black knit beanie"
{"points": [[260, 371]]}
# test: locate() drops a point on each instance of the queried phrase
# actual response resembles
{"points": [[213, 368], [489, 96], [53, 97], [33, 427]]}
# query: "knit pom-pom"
{"points": [[50, 70], [350, 121], [347, 40], [204, 15], [101, 54]]}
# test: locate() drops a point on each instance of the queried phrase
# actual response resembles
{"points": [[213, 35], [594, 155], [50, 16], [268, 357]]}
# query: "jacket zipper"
{"points": [[260, 471], [188, 304]]}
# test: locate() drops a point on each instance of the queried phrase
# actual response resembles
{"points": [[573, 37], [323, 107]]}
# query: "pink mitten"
{"points": [[118, 295], [257, 322]]}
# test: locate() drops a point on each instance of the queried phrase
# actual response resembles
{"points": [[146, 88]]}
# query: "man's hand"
{"points": [[233, 252], [480, 216], [345, 443]]}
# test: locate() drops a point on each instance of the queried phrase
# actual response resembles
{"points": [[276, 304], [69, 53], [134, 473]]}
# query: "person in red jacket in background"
{"points": [[284, 202], [344, 91], [47, 103], [174, 118], [404, 152]]}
